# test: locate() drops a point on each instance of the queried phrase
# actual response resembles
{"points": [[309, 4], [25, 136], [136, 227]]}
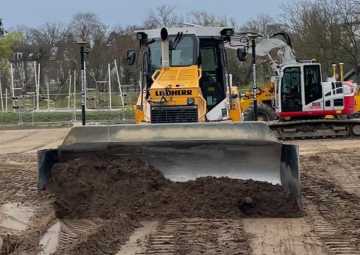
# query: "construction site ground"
{"points": [[30, 223]]}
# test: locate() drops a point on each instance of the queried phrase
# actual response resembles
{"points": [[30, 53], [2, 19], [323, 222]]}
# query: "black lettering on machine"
{"points": [[177, 92]]}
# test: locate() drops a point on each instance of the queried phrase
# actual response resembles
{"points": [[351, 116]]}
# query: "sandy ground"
{"points": [[331, 177], [283, 237], [30, 140]]}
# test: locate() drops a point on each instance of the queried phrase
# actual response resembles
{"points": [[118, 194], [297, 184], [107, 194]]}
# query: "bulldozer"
{"points": [[188, 117]]}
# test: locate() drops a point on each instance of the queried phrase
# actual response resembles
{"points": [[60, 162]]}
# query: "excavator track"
{"points": [[315, 129]]}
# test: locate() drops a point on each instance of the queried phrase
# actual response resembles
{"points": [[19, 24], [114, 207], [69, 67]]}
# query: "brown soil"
{"points": [[100, 186], [331, 188], [25, 243], [122, 192], [338, 208], [9, 244], [107, 239]]}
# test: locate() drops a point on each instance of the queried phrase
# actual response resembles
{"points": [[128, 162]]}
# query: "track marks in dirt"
{"points": [[198, 236], [344, 167], [86, 236], [332, 237], [67, 234], [334, 212], [18, 179], [272, 236]]}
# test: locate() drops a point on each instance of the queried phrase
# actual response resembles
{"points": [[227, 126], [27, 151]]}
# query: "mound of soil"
{"points": [[98, 185]]}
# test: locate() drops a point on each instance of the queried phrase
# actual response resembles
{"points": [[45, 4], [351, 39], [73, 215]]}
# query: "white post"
{"points": [[48, 94], [38, 89], [69, 84], [85, 85], [12, 85], [1, 97], [109, 71], [12, 80], [36, 84], [35, 75], [74, 81], [6, 100], [35, 79], [74, 95], [119, 83]]}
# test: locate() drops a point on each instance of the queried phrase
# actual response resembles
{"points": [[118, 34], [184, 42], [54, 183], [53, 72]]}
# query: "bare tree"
{"points": [[327, 30], [87, 26], [349, 15], [162, 16], [206, 19], [49, 34], [263, 24]]}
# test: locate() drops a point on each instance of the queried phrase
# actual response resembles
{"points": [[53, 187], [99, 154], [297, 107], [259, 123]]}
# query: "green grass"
{"points": [[37, 117]]}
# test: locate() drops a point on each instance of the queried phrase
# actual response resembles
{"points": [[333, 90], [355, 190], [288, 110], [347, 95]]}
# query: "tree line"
{"points": [[325, 30]]}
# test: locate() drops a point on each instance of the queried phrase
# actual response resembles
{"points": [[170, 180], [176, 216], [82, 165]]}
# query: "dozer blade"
{"points": [[184, 152]]}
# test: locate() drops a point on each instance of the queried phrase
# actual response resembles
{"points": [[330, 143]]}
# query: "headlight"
{"points": [[190, 101]]}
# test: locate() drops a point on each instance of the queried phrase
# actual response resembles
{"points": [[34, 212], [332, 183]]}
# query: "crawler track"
{"points": [[312, 129]]}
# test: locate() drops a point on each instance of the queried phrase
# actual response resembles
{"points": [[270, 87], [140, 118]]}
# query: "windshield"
{"points": [[183, 55]]}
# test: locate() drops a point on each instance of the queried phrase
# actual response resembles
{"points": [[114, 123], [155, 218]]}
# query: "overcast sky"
{"points": [[125, 12]]}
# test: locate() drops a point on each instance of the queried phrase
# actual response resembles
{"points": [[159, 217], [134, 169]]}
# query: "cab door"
{"points": [[291, 90], [313, 99]]}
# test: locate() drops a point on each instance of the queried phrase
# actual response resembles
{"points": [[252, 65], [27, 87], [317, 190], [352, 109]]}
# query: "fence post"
{"points": [[12, 84], [48, 94], [6, 100], [85, 84], [1, 97], [69, 98], [109, 72], [36, 79], [38, 89], [119, 83], [75, 79]]}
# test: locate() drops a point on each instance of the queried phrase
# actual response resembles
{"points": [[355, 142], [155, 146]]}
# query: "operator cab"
{"points": [[205, 50], [212, 82]]}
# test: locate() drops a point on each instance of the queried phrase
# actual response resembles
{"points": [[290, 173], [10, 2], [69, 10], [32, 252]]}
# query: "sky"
{"points": [[35, 13]]}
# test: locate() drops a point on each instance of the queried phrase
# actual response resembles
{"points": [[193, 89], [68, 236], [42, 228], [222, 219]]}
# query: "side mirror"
{"points": [[131, 57], [241, 54]]}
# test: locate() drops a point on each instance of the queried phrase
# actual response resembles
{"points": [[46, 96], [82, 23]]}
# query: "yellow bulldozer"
{"points": [[188, 117]]}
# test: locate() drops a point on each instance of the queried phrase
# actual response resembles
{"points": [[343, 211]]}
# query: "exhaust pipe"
{"points": [[165, 48]]}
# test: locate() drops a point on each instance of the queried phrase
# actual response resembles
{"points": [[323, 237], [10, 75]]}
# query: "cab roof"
{"points": [[198, 31]]}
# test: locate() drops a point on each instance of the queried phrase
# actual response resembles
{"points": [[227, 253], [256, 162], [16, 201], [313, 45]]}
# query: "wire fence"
{"points": [[59, 109]]}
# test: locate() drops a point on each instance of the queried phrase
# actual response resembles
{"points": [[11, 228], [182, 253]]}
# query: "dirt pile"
{"points": [[98, 185]]}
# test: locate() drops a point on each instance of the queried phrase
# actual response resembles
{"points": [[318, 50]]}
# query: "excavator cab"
{"points": [[303, 94]]}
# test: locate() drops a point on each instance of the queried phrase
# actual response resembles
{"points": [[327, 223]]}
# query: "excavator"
{"points": [[187, 117], [298, 103]]}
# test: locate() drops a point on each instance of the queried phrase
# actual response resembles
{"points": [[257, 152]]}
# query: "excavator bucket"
{"points": [[184, 152]]}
